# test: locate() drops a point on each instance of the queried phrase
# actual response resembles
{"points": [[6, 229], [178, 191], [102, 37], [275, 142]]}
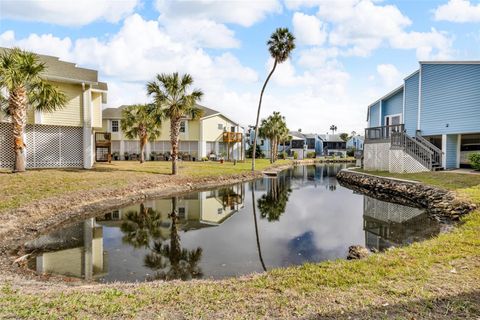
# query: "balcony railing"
{"points": [[377, 134], [103, 139], [232, 137]]}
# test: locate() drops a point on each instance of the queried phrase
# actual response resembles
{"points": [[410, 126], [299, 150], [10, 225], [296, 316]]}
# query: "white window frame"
{"points": [[220, 126], [391, 116], [118, 126], [184, 126]]}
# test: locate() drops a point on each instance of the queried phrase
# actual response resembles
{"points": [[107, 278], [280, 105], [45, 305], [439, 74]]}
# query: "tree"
{"points": [[172, 97], [344, 136], [258, 152], [20, 78], [141, 121], [333, 128], [273, 128], [354, 133], [141, 226], [280, 45], [273, 204]]}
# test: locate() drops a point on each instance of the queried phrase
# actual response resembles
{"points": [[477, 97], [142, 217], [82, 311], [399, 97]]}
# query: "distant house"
{"points": [[63, 138], [262, 143], [303, 144], [213, 135], [432, 121], [333, 145], [355, 142]]}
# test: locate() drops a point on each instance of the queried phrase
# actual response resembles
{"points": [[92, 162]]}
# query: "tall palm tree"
{"points": [[273, 204], [141, 226], [257, 236], [141, 121], [21, 77], [333, 128], [280, 45], [171, 95]]}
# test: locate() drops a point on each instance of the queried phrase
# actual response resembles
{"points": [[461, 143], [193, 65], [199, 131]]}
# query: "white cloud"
{"points": [[68, 13], [308, 29], [389, 75], [458, 11], [316, 57], [244, 13], [433, 45]]}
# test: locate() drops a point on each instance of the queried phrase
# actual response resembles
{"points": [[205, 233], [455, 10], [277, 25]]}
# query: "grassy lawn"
{"points": [[20, 189], [437, 279]]}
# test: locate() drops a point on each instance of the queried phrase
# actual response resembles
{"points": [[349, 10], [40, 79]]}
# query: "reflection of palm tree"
{"points": [[141, 226], [272, 205], [256, 228], [171, 261]]}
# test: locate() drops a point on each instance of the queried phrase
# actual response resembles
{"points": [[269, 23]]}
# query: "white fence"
{"points": [[47, 146]]}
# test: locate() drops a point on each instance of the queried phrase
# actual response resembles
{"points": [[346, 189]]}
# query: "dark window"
{"points": [[115, 125], [220, 126], [311, 143], [297, 144], [182, 126], [232, 129]]}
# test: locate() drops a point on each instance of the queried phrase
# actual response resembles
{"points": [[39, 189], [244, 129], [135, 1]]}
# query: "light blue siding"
{"points": [[450, 98], [451, 151], [373, 120], [392, 105], [411, 104]]}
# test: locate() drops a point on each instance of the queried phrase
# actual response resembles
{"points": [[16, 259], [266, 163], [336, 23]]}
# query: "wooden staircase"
{"points": [[418, 148]]}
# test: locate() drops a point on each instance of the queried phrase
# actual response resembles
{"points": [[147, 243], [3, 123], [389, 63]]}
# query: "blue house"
{"points": [[355, 142], [264, 144], [430, 122]]}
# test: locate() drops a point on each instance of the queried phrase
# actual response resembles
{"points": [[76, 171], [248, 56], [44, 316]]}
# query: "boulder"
{"points": [[357, 252]]}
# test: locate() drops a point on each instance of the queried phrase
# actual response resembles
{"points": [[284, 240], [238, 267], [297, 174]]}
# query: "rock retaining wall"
{"points": [[438, 202]]}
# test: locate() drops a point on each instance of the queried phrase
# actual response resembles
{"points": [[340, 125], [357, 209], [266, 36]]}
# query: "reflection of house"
{"points": [[213, 133], [425, 123], [389, 224], [63, 138], [76, 251], [195, 210]]}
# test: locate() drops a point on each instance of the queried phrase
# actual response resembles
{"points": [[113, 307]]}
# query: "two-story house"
{"points": [[63, 138], [429, 122], [333, 145], [213, 135], [355, 142]]}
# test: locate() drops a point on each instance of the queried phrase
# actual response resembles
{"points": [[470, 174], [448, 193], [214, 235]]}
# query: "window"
{"points": [[182, 126], [219, 211], [262, 142], [232, 129], [220, 126], [115, 125], [181, 212]]}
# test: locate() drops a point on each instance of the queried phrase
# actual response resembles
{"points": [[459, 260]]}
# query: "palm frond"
{"points": [[46, 97]]}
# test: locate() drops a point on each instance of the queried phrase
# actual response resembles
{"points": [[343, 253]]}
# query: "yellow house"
{"points": [[213, 135], [64, 138]]}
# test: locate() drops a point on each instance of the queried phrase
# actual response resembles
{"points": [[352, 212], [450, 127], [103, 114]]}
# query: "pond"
{"points": [[301, 216]]}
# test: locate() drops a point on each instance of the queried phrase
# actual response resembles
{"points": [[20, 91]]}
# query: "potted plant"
{"points": [[222, 157], [125, 155], [153, 154], [116, 155]]}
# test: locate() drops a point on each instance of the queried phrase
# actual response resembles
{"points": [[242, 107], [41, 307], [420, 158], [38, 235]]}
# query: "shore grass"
{"points": [[436, 279], [20, 189]]}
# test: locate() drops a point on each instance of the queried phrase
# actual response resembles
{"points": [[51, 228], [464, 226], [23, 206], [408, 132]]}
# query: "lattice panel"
{"points": [[6, 146], [47, 146], [387, 211], [401, 162]]}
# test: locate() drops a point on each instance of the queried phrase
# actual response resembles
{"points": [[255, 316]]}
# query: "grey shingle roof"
{"points": [[58, 70]]}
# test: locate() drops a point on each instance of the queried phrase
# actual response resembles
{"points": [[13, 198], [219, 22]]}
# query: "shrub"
{"points": [[311, 155], [475, 160], [295, 155], [258, 154], [205, 159], [351, 152]]}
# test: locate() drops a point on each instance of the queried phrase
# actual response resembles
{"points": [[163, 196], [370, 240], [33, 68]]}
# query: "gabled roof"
{"points": [[388, 95], [296, 135], [331, 137], [63, 71]]}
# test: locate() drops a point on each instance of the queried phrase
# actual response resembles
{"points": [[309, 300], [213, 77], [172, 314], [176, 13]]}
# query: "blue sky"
{"points": [[348, 52]]}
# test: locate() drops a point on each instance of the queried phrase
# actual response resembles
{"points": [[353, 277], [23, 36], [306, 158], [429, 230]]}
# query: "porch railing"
{"points": [[232, 137], [437, 153], [375, 134], [401, 140]]}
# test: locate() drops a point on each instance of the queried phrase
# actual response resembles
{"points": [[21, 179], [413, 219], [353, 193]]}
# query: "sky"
{"points": [[348, 52]]}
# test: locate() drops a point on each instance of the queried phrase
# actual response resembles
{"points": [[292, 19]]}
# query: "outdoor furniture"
{"points": [[212, 157], [133, 156]]}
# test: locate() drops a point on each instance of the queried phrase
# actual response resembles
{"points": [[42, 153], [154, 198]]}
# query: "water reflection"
{"points": [[303, 216]]}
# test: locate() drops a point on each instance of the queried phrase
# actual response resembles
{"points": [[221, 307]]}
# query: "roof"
{"points": [[116, 113], [62, 71], [388, 95], [451, 62], [331, 137], [296, 135]]}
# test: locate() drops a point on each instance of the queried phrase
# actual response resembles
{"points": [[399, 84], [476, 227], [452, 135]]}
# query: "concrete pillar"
{"points": [[88, 143], [87, 246], [444, 151], [122, 149], [148, 150]]}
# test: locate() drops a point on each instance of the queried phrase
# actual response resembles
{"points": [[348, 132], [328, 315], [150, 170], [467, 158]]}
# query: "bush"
{"points": [[351, 152], [205, 159], [295, 155], [311, 155], [282, 156], [258, 154], [475, 160]]}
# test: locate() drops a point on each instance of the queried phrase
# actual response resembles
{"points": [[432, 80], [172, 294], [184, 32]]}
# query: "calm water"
{"points": [[302, 216]]}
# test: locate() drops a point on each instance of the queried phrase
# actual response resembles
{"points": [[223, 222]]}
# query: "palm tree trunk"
{"points": [[256, 227], [258, 114], [18, 110], [143, 142], [174, 134]]}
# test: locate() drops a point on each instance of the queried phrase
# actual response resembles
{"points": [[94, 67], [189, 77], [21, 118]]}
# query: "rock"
{"points": [[357, 252]]}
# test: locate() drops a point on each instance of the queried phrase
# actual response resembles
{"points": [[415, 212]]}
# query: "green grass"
{"points": [[437, 278], [20, 189]]}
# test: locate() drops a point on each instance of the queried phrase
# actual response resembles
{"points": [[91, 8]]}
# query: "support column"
{"points": [[148, 150], [444, 151], [88, 145], [122, 149], [87, 246]]}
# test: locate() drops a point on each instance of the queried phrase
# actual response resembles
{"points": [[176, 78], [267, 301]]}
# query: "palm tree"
{"points": [[257, 236], [141, 226], [142, 121], [20, 77], [280, 45], [273, 204], [333, 128], [273, 128], [171, 96]]}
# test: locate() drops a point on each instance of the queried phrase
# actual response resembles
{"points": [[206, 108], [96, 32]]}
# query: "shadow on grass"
{"points": [[462, 306]]}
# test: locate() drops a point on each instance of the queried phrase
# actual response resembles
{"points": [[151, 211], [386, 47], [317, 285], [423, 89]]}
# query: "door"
{"points": [[392, 121]]}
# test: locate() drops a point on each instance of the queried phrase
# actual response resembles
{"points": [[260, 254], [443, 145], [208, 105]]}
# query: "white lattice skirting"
{"points": [[379, 156], [47, 146]]}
